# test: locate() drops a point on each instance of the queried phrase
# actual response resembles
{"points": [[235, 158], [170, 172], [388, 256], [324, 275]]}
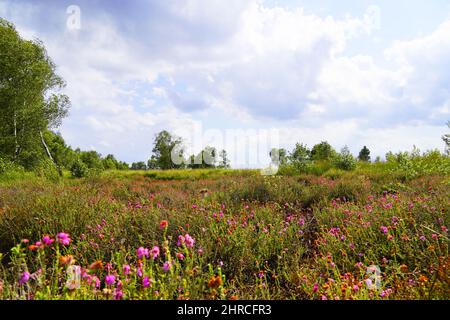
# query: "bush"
{"points": [[46, 169], [345, 160], [79, 169]]}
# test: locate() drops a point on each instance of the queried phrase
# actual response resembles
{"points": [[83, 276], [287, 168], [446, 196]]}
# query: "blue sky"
{"points": [[352, 72]]}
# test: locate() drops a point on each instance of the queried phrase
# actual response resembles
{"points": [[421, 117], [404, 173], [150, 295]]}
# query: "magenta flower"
{"points": [[139, 272], [422, 238], [315, 287], [180, 256], [47, 240], [167, 266], [142, 252], [24, 278], [126, 269], [384, 229], [181, 240], [189, 241], [63, 238], [118, 294], [155, 252], [110, 279], [146, 282]]}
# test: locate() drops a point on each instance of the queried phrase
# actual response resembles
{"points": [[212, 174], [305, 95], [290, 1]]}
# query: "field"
{"points": [[226, 234]]}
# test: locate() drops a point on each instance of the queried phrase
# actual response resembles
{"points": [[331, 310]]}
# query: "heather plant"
{"points": [[351, 235]]}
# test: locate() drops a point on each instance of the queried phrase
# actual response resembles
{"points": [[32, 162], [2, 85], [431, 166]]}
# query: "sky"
{"points": [[247, 75]]}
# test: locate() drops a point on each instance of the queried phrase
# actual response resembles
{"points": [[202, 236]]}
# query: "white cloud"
{"points": [[135, 69]]}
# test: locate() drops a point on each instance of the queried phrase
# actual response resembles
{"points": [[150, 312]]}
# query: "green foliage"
{"points": [[79, 169], [345, 160], [207, 158], [446, 139], [163, 147], [29, 98], [224, 162], [138, 166], [364, 154], [322, 151], [413, 164]]}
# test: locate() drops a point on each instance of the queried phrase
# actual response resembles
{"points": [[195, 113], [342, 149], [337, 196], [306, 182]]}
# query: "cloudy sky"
{"points": [[353, 72]]}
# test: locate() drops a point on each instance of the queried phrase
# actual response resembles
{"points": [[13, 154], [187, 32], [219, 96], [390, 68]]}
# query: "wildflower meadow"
{"points": [[357, 236]]}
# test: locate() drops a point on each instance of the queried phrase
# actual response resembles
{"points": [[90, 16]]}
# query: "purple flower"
{"points": [[24, 278], [181, 240], [63, 238], [422, 238], [384, 229], [47, 240], [126, 269], [110, 279], [155, 252], [189, 241], [167, 266], [118, 294], [146, 282], [142, 252], [180, 256]]}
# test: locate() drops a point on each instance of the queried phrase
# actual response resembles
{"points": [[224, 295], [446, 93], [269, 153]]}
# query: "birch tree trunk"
{"points": [[49, 154]]}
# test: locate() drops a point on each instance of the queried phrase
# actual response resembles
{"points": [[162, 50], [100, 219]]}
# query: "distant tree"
{"points": [[29, 99], [322, 151], [364, 155], [300, 153], [207, 158], [164, 145], [278, 156], [110, 162], [345, 160], [224, 162], [92, 159], [378, 159], [446, 139], [138, 166]]}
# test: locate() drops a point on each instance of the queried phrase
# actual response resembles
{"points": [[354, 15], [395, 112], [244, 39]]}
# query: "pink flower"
{"points": [[24, 278], [155, 252], [180, 256], [139, 272], [167, 266], [146, 282], [189, 241], [444, 228], [315, 287], [63, 238], [163, 224], [180, 240], [110, 279], [434, 236], [47, 240], [384, 229], [355, 287], [118, 294], [142, 252], [126, 269], [194, 206], [422, 238]]}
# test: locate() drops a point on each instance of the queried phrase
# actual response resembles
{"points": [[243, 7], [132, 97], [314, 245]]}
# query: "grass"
{"points": [[255, 237]]}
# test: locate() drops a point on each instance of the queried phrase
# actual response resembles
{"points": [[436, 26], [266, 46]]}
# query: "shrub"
{"points": [[79, 169]]}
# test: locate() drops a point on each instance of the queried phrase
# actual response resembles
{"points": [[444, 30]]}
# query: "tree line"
{"points": [[32, 107]]}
